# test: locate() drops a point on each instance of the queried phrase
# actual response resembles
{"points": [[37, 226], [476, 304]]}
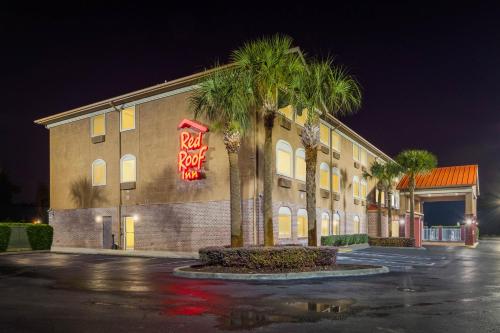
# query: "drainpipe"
{"points": [[331, 177], [255, 175], [120, 232]]}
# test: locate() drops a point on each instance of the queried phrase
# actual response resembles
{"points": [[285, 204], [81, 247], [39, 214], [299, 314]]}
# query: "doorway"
{"points": [[129, 232], [107, 238]]}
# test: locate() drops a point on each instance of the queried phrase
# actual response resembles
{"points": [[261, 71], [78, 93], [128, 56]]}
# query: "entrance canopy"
{"points": [[453, 183]]}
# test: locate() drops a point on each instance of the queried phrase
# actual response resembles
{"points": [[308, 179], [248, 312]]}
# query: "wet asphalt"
{"points": [[441, 289]]}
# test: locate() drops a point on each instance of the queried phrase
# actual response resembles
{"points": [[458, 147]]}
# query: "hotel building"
{"points": [[139, 168]]}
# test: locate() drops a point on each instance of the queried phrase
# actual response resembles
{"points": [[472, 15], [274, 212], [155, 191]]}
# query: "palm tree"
{"points": [[321, 87], [392, 171], [377, 171], [414, 163], [271, 62], [224, 97]]}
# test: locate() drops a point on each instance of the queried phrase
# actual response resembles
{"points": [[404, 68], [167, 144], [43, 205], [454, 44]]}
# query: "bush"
{"points": [[342, 240], [40, 236], [280, 257], [392, 241], [4, 237]]}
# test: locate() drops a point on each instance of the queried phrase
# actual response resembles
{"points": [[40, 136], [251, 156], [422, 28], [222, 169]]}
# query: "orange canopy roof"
{"points": [[463, 175]]}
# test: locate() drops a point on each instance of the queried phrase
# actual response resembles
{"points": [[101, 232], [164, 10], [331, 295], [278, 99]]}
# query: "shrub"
{"points": [[280, 257], [40, 236], [4, 237], [392, 241], [342, 240]]}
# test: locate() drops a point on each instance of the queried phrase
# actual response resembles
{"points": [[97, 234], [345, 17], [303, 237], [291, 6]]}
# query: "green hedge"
{"points": [[392, 241], [40, 236], [342, 240], [277, 257], [4, 237]]}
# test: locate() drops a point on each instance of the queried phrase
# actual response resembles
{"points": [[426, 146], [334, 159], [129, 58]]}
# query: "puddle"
{"points": [[407, 290]]}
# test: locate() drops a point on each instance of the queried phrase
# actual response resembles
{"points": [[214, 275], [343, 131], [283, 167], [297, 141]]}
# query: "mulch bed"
{"points": [[244, 270]]}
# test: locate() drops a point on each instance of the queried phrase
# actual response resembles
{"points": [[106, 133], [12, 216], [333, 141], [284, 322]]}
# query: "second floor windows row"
{"points": [[98, 122]]}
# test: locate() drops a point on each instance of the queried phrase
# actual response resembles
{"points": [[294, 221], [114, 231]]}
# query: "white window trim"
{"points": [[95, 163], [300, 152], [325, 214], [92, 135], [357, 159], [361, 150], [128, 157], [336, 171], [355, 179], [329, 144], [135, 119], [280, 144], [325, 167], [340, 141], [354, 223], [362, 183], [283, 210], [302, 212]]}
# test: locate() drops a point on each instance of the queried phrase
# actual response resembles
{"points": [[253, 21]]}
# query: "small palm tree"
{"points": [[224, 98], [318, 88], [84, 195], [377, 171], [271, 64], [414, 163]]}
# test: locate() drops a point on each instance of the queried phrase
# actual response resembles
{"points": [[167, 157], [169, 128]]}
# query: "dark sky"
{"points": [[430, 71]]}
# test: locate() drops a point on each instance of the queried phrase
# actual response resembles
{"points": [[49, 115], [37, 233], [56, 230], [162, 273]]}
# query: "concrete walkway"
{"points": [[125, 253]]}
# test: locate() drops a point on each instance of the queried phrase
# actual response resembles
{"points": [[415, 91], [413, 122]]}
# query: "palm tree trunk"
{"points": [[389, 212], [412, 206], [235, 200], [379, 213], [268, 179], [311, 160]]}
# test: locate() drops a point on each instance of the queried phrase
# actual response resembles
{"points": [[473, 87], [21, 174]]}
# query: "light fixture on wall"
{"points": [[135, 217], [401, 221], [98, 218], [468, 221]]}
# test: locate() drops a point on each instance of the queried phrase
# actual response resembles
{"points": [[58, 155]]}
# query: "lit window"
{"points": [[128, 169], [324, 176], [336, 224], [324, 134], [98, 173], [302, 223], [284, 222], [355, 151], [356, 225], [300, 164], [364, 188], [382, 196], [355, 187], [287, 111], [336, 180], [336, 141], [325, 224], [98, 125], [127, 117], [301, 120], [393, 200], [284, 158], [364, 157]]}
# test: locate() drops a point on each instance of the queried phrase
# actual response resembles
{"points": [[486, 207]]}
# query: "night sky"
{"points": [[430, 72]]}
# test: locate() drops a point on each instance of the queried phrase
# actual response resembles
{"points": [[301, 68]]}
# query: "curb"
{"points": [[6, 253], [123, 253], [400, 248], [279, 276]]}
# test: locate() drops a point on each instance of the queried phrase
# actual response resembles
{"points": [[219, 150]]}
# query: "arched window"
{"points": [[324, 176], [336, 224], [336, 180], [356, 225], [300, 164], [364, 189], [284, 161], [284, 222], [98, 173], [128, 169], [302, 223], [355, 186], [325, 224]]}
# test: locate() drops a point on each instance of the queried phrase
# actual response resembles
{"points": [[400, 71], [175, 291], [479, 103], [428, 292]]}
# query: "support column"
{"points": [[440, 233]]}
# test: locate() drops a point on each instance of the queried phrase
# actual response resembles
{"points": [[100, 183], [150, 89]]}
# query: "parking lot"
{"points": [[434, 290]]}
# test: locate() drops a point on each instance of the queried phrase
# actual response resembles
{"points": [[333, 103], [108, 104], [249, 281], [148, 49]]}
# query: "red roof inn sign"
{"points": [[192, 150]]}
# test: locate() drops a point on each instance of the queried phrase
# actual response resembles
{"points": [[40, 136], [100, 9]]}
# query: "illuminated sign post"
{"points": [[192, 150]]}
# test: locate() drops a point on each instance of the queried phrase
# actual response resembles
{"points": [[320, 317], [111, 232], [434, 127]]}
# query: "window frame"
{"points": [[334, 132], [283, 143], [358, 146], [302, 213], [128, 157], [361, 152], [356, 220], [121, 121], [95, 163], [355, 180], [282, 211], [363, 184], [299, 152], [92, 134], [328, 224], [329, 129], [324, 167], [336, 171], [333, 223]]}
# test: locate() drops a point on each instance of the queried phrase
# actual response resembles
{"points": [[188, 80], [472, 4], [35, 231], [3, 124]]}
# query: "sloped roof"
{"points": [[452, 176]]}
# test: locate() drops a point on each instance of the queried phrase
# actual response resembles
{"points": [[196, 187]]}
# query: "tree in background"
{"points": [[224, 97], [271, 62], [414, 163]]}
